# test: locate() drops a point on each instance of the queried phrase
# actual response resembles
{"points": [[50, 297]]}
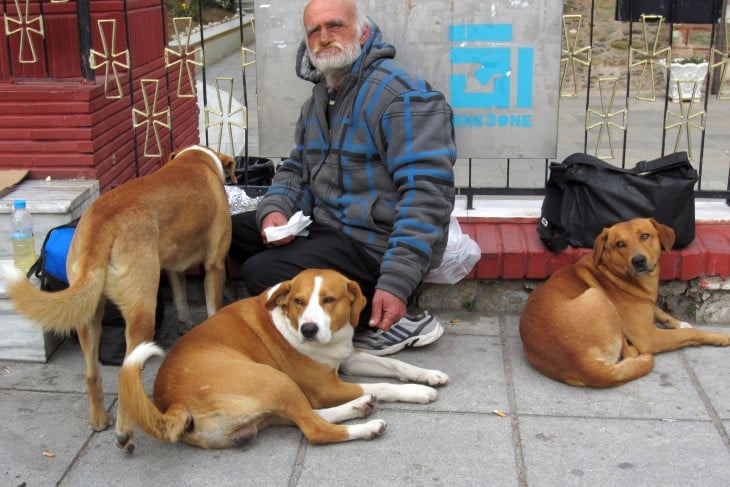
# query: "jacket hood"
{"points": [[373, 49]]}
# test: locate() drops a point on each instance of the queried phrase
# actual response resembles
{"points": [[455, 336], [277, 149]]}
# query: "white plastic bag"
{"points": [[461, 255]]}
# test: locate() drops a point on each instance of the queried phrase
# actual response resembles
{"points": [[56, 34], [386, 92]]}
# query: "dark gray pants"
{"points": [[324, 248]]}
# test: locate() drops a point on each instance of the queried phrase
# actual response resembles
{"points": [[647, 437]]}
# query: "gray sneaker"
{"points": [[409, 331]]}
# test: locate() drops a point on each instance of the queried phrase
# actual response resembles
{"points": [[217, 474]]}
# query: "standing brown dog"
{"points": [[593, 323], [172, 219]]}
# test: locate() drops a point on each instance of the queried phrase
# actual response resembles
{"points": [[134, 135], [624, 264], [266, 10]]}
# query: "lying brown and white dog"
{"points": [[172, 219], [270, 359]]}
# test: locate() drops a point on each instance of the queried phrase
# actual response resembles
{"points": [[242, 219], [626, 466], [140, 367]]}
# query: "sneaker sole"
{"points": [[413, 342]]}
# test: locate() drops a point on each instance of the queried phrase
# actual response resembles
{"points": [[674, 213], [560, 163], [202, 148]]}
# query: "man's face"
{"points": [[333, 37]]}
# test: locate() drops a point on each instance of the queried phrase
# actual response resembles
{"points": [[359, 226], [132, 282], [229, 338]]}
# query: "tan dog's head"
{"points": [[632, 248], [318, 303], [227, 163]]}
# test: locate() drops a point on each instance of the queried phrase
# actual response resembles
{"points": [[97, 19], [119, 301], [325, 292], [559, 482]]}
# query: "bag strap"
{"points": [[676, 159], [589, 160]]}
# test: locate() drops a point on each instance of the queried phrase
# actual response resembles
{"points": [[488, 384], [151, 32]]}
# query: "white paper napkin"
{"points": [[297, 225]]}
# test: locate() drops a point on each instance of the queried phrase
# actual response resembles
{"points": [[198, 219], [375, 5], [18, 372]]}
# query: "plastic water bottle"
{"points": [[21, 234]]}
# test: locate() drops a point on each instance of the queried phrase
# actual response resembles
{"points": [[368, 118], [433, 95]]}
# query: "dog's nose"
{"points": [[309, 330], [639, 262]]}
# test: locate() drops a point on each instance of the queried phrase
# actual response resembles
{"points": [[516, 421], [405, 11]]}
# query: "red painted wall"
{"points": [[55, 123]]}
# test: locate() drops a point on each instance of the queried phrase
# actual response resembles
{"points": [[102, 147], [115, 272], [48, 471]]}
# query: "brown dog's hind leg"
{"points": [[89, 336], [318, 431], [179, 295], [600, 374], [213, 283], [140, 327], [294, 406]]}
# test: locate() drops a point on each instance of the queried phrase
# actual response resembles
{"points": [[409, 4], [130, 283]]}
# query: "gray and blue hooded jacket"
{"points": [[378, 166]]}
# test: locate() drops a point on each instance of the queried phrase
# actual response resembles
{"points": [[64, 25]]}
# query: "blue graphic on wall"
{"points": [[489, 69]]}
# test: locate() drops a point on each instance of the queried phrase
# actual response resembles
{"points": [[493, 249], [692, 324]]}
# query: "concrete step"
{"points": [[512, 249]]}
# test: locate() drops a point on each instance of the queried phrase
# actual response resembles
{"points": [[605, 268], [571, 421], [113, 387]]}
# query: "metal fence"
{"points": [[616, 104], [614, 100]]}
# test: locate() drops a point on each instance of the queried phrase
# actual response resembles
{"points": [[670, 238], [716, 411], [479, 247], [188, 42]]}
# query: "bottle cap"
{"points": [[18, 204]]}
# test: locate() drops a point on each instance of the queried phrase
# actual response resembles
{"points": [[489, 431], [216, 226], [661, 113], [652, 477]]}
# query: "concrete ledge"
{"points": [[511, 249], [692, 301], [222, 39]]}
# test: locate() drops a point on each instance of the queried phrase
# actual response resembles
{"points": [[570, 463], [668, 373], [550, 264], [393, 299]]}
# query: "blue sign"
{"points": [[488, 83]]}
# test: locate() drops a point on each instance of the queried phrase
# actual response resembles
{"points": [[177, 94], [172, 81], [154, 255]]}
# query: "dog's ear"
{"points": [[358, 302], [599, 246], [277, 295], [229, 163], [666, 234]]}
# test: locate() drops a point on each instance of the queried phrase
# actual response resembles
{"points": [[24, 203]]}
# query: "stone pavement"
{"points": [[498, 423]]}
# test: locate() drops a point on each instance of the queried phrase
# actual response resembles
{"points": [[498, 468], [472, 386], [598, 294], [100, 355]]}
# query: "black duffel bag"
{"points": [[585, 194]]}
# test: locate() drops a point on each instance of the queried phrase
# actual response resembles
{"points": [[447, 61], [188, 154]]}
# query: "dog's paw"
{"points": [[364, 405], [367, 431], [723, 340], [100, 422], [124, 442], [419, 394], [433, 378], [684, 324]]}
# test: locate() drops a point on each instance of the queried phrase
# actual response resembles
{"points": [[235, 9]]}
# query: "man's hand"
{"points": [[274, 219], [387, 309]]}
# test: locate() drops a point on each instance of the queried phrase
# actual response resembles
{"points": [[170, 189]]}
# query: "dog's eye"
{"points": [[328, 299], [644, 236], [620, 244], [299, 301]]}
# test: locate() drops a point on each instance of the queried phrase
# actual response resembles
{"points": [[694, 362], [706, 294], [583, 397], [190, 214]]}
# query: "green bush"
{"points": [[180, 8], [693, 59]]}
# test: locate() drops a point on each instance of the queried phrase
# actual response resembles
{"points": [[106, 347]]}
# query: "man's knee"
{"points": [[260, 272], [245, 239]]}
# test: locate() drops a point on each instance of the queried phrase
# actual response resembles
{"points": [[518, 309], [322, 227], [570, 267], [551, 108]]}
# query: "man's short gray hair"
{"points": [[360, 19]]}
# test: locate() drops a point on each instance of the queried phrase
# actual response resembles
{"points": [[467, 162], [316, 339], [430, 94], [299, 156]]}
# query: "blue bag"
{"points": [[56, 249], [50, 268]]}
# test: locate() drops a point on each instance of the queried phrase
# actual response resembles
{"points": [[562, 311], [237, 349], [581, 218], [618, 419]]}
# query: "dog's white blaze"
{"points": [[314, 313], [210, 153]]}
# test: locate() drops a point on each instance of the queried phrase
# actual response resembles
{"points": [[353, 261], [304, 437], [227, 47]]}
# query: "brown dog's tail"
{"points": [[132, 397], [61, 311], [599, 374]]}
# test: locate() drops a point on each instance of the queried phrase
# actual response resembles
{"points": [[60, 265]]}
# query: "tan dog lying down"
{"points": [[172, 219], [270, 360], [593, 323]]}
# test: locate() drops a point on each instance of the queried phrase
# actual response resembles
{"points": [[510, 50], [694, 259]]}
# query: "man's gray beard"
{"points": [[338, 63]]}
